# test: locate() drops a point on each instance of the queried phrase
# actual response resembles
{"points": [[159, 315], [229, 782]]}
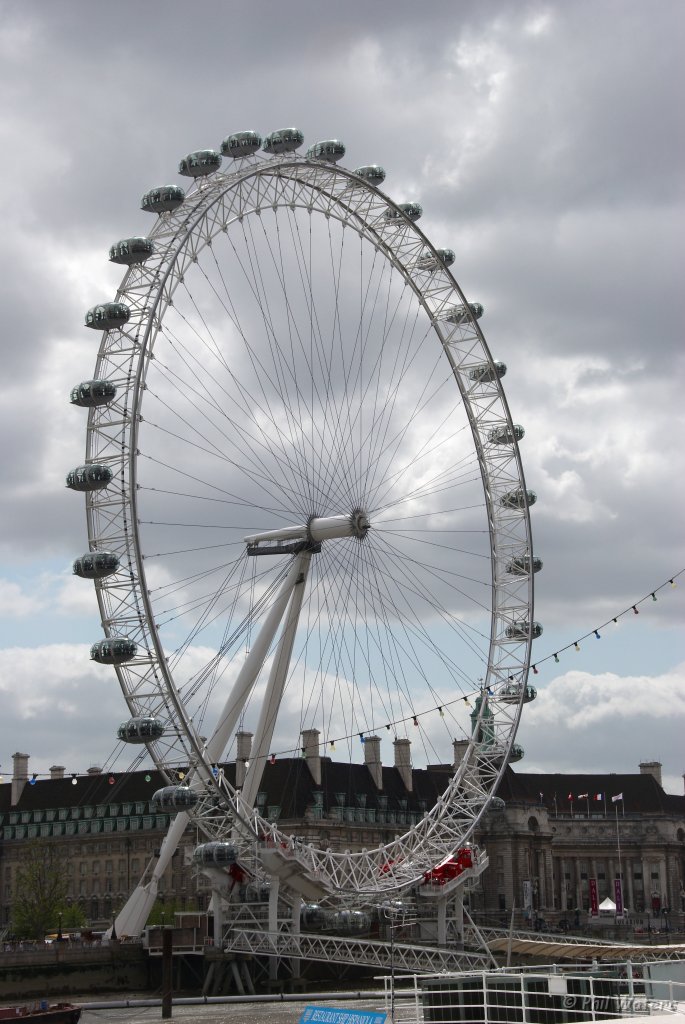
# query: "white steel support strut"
{"points": [[135, 912], [252, 666], [274, 691]]}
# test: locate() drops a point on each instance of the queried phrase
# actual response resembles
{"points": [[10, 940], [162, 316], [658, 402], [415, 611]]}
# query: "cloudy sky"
{"points": [[545, 143]]}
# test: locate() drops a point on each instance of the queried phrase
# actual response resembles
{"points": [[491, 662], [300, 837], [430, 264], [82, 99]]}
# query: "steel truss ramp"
{"points": [[365, 952]]}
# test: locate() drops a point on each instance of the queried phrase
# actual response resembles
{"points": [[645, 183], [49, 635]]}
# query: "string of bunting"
{"points": [[414, 718], [632, 609]]}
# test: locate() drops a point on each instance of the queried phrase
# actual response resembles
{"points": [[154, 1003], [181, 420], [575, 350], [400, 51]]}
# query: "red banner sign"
{"points": [[618, 897], [594, 903]]}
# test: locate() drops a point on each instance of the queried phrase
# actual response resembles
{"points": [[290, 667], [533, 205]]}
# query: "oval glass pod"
{"points": [[285, 140], [96, 565], [200, 163], [484, 373], [350, 922], [162, 199], [330, 150], [520, 630], [373, 173], [511, 693], [504, 434], [175, 798], [129, 251], [521, 565], [215, 854], [411, 210], [91, 393], [441, 258], [313, 917], [92, 477], [107, 315], [518, 499], [115, 650], [140, 730], [241, 144], [462, 314]]}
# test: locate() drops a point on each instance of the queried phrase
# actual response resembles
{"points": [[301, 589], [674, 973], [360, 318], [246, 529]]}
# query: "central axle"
{"points": [[290, 539]]}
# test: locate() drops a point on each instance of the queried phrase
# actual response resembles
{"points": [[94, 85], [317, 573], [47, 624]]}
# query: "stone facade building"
{"points": [[544, 848]]}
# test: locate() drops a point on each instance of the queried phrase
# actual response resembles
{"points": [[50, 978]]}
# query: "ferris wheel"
{"points": [[308, 523]]}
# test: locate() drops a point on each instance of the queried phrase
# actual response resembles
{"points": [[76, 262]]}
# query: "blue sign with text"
{"points": [[335, 1015]]}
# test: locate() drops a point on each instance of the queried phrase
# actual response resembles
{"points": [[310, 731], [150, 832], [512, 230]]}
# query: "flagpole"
{"points": [[618, 847], [587, 801]]}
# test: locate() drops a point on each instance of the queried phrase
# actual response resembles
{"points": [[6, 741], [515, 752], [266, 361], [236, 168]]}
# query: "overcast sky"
{"points": [[545, 143]]}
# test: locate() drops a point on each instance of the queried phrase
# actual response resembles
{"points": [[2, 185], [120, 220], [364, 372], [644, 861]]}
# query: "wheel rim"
{"points": [[292, 352]]}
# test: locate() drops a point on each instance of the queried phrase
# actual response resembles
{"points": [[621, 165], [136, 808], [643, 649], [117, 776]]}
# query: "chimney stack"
{"points": [[372, 759], [459, 747], [19, 776], [652, 768], [242, 756], [403, 762], [57, 771], [312, 753]]}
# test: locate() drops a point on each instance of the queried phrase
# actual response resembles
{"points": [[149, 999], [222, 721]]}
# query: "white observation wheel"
{"points": [[307, 518]]}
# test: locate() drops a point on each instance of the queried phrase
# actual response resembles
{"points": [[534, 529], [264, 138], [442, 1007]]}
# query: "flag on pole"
{"points": [[615, 799], [599, 796], [570, 797], [583, 796]]}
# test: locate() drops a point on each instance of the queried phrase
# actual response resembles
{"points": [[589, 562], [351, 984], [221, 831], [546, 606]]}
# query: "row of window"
{"points": [[76, 813], [368, 816], [94, 825]]}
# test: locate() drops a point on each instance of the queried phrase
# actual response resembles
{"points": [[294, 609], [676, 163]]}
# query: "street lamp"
{"points": [[60, 937]]}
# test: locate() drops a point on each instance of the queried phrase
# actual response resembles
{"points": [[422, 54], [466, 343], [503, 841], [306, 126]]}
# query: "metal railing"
{"points": [[549, 995]]}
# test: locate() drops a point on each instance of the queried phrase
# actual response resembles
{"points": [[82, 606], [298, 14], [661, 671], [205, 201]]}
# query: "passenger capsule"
{"points": [[131, 250], [313, 917], [175, 798], [257, 892], [350, 922], [462, 314], [520, 630], [286, 140], [92, 477], [96, 565], [511, 693], [115, 650], [215, 854], [107, 316], [90, 393], [372, 173], [516, 753], [200, 163], [411, 210], [431, 261], [241, 144], [496, 805], [140, 730], [521, 565], [518, 499], [162, 199], [330, 150], [485, 373], [503, 434]]}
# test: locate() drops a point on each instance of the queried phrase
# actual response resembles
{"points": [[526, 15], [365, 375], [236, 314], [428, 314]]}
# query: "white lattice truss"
{"points": [[213, 206], [403, 957]]}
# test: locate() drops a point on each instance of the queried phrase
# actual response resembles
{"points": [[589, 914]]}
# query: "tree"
{"points": [[40, 892]]}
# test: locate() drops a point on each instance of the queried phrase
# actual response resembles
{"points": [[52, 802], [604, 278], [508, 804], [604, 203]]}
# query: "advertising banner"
{"points": [[618, 897], [594, 902]]}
